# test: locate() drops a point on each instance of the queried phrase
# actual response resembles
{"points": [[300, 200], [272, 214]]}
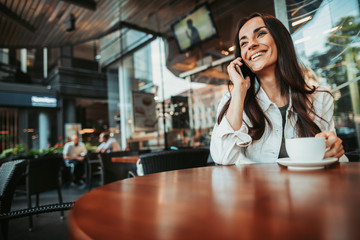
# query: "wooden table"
{"points": [[260, 201], [125, 159]]}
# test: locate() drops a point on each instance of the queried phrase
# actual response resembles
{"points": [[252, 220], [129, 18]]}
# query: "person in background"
{"points": [[74, 154], [192, 33], [271, 100], [107, 144]]}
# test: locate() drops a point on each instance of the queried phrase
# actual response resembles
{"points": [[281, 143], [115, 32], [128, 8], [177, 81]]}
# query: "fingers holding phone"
{"points": [[236, 75], [238, 69]]}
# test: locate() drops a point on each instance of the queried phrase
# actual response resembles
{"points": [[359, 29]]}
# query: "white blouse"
{"points": [[236, 147]]}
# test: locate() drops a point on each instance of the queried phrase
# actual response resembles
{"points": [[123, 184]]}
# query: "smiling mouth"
{"points": [[256, 55]]}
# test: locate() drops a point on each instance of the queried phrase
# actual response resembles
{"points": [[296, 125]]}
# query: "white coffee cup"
{"points": [[308, 149]]}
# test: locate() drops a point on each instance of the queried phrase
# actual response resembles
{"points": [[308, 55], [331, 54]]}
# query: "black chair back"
{"points": [[113, 171], [10, 175], [43, 175], [174, 160]]}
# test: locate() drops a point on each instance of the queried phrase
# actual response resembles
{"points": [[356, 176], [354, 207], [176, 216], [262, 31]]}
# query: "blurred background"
{"points": [[134, 68]]}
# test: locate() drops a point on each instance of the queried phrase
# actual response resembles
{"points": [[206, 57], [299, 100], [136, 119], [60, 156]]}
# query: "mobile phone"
{"points": [[237, 67]]}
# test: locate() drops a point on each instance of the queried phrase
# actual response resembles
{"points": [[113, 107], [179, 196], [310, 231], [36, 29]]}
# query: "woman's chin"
{"points": [[258, 69]]}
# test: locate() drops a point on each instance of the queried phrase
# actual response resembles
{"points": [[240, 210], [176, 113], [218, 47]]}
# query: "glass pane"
{"points": [[328, 45]]}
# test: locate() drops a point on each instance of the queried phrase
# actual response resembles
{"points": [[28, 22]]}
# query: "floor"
{"points": [[48, 225]]}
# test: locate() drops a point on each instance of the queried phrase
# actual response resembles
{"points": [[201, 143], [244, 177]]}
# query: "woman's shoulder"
{"points": [[225, 98], [322, 98], [322, 93]]}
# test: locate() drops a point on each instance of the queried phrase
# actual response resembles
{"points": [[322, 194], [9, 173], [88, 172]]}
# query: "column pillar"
{"points": [[4, 58], [70, 111], [45, 62], [44, 130], [281, 12], [123, 92], [23, 59]]}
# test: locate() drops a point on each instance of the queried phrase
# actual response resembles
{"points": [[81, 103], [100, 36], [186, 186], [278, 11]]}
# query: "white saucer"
{"points": [[306, 165]]}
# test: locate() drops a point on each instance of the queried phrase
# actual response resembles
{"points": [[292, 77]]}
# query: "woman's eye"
{"points": [[261, 33], [242, 44]]}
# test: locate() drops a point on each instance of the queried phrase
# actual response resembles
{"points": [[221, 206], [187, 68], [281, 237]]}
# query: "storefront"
{"points": [[29, 118]]}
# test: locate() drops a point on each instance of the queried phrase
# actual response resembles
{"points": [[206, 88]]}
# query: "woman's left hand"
{"points": [[333, 143]]}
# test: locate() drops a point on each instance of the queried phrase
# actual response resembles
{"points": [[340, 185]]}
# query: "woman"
{"points": [[272, 102]]}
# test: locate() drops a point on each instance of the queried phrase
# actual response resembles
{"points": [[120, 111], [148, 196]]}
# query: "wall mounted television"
{"points": [[194, 28]]}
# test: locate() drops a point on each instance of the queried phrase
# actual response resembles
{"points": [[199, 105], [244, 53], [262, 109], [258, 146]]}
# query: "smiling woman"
{"points": [[273, 102], [262, 45]]}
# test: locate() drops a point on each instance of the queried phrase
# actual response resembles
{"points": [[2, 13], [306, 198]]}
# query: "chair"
{"points": [[174, 160], [113, 171], [353, 156], [43, 175], [93, 168], [10, 175]]}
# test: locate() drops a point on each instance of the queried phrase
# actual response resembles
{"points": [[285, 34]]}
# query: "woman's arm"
{"points": [[324, 104], [227, 146], [115, 147], [238, 94], [230, 136]]}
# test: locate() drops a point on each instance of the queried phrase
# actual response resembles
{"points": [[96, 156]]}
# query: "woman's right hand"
{"points": [[238, 94], [235, 77]]}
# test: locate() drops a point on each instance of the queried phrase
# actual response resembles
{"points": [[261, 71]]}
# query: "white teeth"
{"points": [[255, 55]]}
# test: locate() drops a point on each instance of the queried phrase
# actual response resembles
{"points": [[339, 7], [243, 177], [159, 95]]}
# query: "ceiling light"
{"points": [[224, 52], [301, 21], [87, 130], [232, 48]]}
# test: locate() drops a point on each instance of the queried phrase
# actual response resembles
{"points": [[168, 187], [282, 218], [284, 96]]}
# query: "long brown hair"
{"points": [[289, 74]]}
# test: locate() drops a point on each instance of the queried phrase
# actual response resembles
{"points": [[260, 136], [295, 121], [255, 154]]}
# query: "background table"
{"points": [[261, 201], [125, 159]]}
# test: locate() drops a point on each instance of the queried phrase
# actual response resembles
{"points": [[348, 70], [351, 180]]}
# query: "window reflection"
{"points": [[328, 44]]}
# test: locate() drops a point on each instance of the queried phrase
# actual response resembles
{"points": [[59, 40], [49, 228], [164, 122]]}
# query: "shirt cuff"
{"points": [[242, 138]]}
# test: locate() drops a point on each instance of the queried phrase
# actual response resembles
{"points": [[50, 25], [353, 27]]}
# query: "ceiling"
{"points": [[42, 23]]}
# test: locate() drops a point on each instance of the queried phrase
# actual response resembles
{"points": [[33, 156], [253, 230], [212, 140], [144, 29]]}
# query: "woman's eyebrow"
{"points": [[255, 31]]}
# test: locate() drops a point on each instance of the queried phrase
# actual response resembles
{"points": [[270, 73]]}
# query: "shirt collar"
{"points": [[264, 100]]}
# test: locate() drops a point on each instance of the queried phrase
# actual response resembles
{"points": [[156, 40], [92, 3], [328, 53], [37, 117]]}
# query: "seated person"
{"points": [[108, 144], [74, 154]]}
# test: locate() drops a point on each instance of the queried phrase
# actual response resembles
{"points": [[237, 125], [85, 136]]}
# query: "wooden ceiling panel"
{"points": [[48, 18]]}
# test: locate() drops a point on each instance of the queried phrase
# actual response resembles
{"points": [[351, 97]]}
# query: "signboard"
{"points": [[28, 100], [40, 101], [144, 112]]}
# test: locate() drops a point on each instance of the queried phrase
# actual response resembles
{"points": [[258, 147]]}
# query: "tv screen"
{"points": [[195, 28]]}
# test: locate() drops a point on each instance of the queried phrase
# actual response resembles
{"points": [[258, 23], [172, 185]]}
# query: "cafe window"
{"points": [[327, 42]]}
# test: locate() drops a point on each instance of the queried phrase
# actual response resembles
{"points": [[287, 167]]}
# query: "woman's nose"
{"points": [[252, 44]]}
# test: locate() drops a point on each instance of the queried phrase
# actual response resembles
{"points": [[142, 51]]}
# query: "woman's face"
{"points": [[258, 48]]}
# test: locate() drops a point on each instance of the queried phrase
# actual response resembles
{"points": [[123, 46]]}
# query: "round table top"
{"points": [[259, 201]]}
